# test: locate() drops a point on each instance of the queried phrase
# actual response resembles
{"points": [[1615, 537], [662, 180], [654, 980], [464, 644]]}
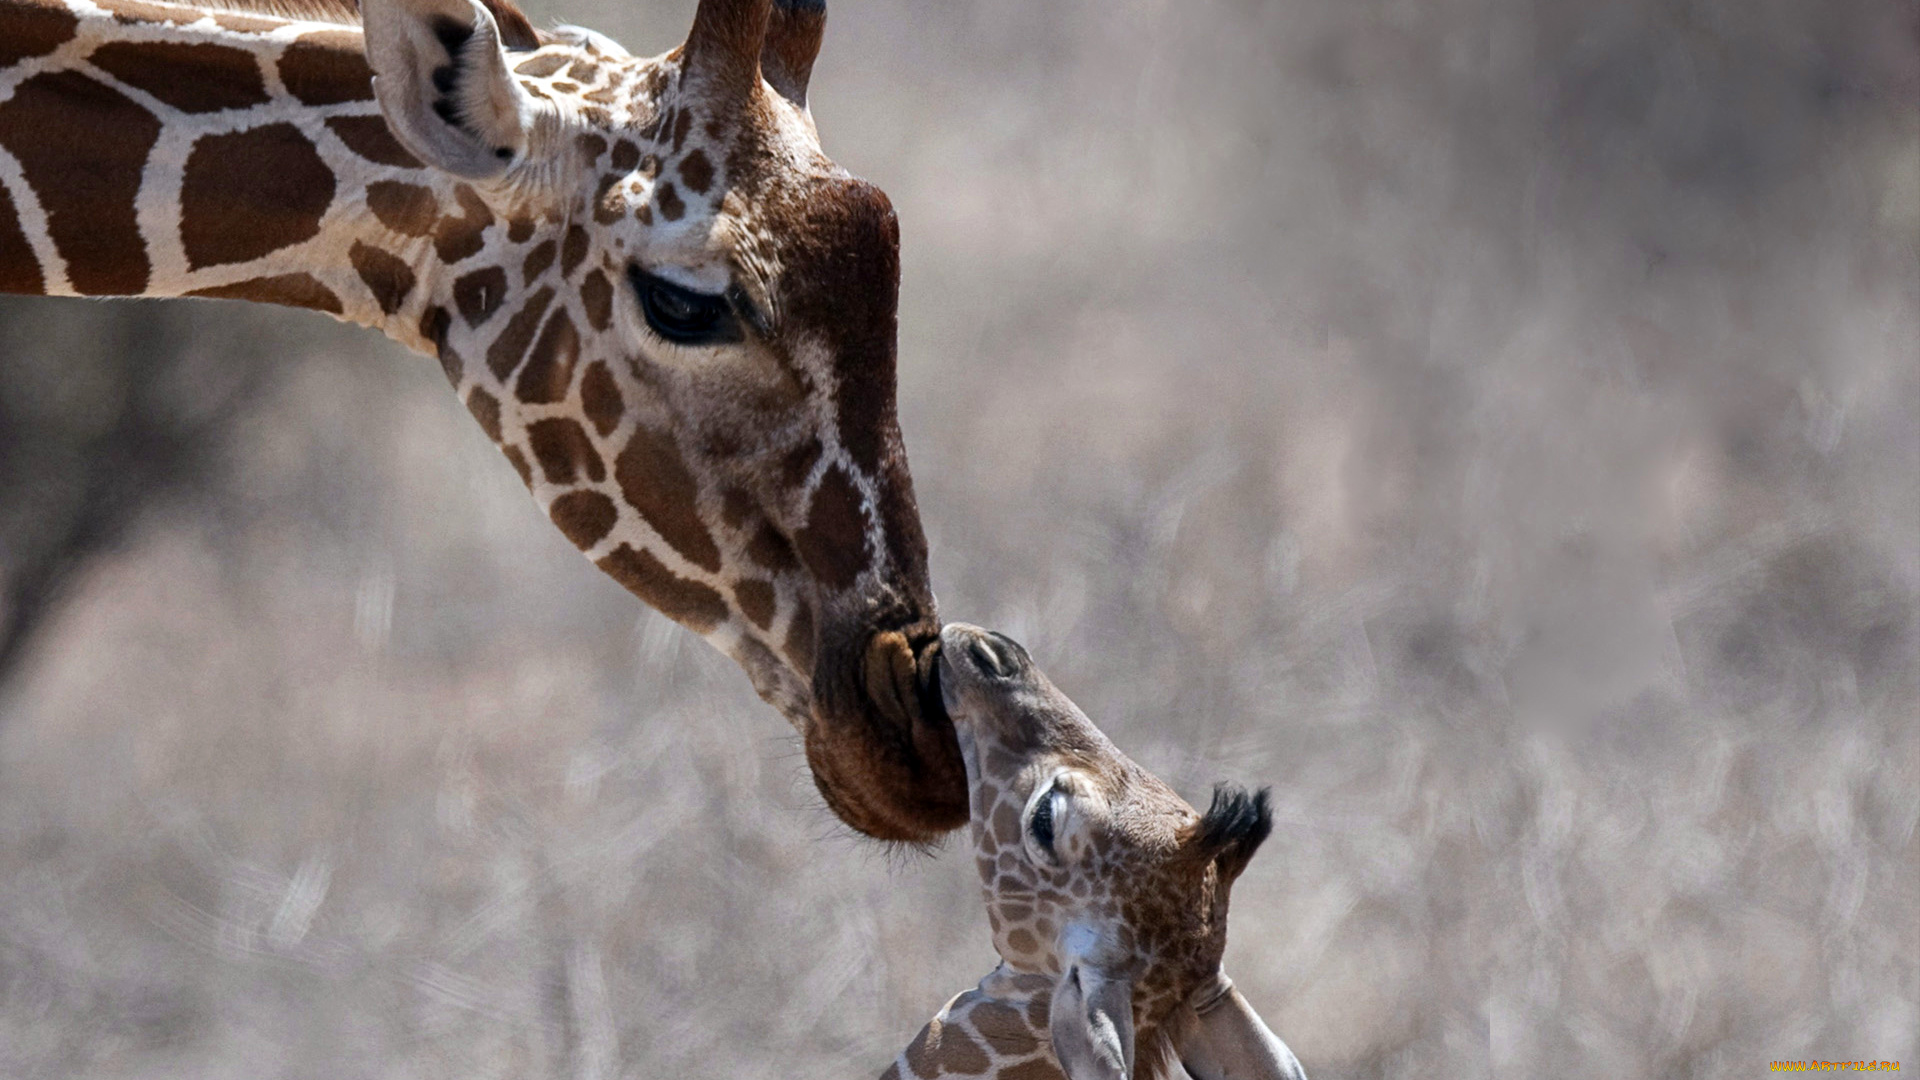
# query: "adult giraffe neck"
{"points": [[673, 314], [167, 151]]}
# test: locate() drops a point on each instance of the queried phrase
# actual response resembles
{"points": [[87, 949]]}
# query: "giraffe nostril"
{"points": [[991, 653]]}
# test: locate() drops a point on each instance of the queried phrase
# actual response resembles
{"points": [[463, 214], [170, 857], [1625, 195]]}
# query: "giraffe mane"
{"points": [[516, 32]]}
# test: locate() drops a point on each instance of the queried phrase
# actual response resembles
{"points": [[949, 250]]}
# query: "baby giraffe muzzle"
{"points": [[1107, 895]]}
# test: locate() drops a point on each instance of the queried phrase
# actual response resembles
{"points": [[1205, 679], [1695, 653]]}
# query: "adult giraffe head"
{"points": [[674, 314], [733, 347]]}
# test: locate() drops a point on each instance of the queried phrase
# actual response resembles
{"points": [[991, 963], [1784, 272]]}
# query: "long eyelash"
{"points": [[1042, 825]]}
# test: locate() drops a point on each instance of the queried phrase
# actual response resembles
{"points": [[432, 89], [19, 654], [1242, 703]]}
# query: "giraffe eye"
{"points": [[1042, 821], [681, 315]]}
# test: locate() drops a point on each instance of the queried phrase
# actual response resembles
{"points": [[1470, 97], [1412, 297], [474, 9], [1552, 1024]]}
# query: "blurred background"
{"points": [[1493, 423]]}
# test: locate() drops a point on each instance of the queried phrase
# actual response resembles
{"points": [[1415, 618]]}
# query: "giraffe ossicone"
{"points": [[672, 312], [1106, 892]]}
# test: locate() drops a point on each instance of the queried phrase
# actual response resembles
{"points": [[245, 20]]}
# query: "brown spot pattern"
{"points": [[771, 550], [756, 601], [943, 1046], [520, 230], [519, 463], [291, 290], [600, 399], [486, 409], [657, 483], [512, 344], [539, 67], [387, 276], [327, 67], [35, 30], [87, 186], [408, 209], [687, 602], [834, 544], [799, 644], [194, 77], [697, 172], [369, 137], [1037, 1069], [479, 294], [625, 156], [668, 199], [19, 269], [1003, 1029], [573, 250], [549, 368], [462, 237], [538, 260], [132, 11], [596, 295], [245, 24], [584, 516], [251, 193], [564, 452]]}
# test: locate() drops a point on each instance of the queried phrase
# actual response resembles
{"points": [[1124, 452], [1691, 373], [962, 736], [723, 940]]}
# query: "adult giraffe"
{"points": [[670, 310]]}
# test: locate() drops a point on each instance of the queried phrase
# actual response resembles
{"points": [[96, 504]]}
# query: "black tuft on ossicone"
{"points": [[1234, 826]]}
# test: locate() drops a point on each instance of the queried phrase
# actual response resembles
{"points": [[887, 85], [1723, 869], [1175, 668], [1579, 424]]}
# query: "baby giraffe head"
{"points": [[1107, 894]]}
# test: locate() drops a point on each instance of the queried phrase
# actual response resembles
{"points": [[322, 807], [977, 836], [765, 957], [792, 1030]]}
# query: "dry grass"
{"points": [[1491, 423]]}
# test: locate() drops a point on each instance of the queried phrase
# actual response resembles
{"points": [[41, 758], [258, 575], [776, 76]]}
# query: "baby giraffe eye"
{"points": [[1042, 820], [681, 315], [1042, 826]]}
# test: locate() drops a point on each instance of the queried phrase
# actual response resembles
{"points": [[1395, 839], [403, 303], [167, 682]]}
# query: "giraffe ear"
{"points": [[441, 76], [793, 40], [1091, 1021], [1229, 1041]]}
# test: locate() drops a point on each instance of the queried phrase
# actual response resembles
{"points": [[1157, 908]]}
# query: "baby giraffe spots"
{"points": [[669, 202], [479, 294], [549, 368], [600, 399], [251, 193], [697, 172], [386, 276], [944, 1047], [223, 77], [87, 186], [689, 603], [586, 517], [564, 452], [657, 483], [834, 543], [506, 351]]}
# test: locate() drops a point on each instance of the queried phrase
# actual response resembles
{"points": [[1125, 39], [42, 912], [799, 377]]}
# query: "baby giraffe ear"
{"points": [[1228, 1041], [1091, 1020], [1234, 827], [441, 75]]}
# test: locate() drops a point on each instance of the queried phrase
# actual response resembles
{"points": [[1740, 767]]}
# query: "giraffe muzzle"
{"points": [[883, 750]]}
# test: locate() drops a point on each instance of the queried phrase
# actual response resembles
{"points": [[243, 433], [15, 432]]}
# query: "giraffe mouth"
{"points": [[888, 761]]}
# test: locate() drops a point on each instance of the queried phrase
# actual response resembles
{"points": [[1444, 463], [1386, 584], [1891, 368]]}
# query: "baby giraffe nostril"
{"points": [[989, 655]]}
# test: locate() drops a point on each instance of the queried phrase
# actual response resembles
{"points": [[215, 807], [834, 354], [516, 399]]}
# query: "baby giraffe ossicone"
{"points": [[1106, 892]]}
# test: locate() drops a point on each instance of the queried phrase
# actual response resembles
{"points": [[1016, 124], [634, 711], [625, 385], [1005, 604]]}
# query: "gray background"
{"points": [[1491, 423]]}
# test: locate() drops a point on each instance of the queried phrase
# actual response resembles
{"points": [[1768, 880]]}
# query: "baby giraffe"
{"points": [[1107, 895]]}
